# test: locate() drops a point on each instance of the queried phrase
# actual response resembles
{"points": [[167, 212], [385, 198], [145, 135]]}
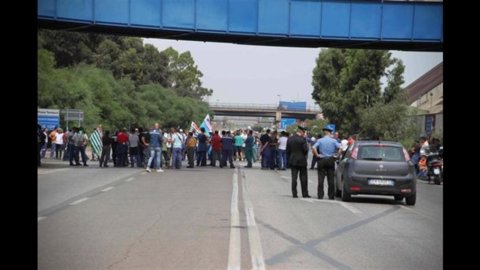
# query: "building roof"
{"points": [[425, 83]]}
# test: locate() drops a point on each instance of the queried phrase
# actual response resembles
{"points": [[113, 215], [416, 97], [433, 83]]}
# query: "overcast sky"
{"points": [[263, 75]]}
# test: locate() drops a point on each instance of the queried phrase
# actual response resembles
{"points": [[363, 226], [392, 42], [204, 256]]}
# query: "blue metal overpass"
{"points": [[372, 24]]}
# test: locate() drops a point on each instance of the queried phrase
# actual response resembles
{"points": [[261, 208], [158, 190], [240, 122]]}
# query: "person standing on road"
{"points": [[249, 148], [202, 148], [324, 149], [297, 150], [227, 150], [191, 145], [155, 147]]}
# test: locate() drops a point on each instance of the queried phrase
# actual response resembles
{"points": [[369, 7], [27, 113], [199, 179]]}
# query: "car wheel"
{"points": [[346, 197], [410, 200], [398, 197], [338, 193]]}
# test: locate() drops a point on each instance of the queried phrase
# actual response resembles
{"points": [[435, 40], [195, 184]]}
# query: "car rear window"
{"points": [[380, 152]]}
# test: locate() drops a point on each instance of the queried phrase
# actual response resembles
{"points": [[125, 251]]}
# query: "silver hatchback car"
{"points": [[376, 167]]}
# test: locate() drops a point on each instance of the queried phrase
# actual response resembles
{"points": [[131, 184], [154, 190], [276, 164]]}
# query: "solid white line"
{"points": [[107, 189], [52, 171], [256, 251], [235, 241], [350, 208], [130, 179], [41, 218], [79, 201]]}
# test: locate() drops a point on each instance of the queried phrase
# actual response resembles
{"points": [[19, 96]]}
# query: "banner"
{"points": [[194, 128]]}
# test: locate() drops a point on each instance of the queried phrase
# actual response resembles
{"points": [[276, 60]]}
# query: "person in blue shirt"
{"points": [[325, 149]]}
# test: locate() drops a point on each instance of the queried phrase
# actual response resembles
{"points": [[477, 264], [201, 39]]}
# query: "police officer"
{"points": [[297, 151], [324, 149]]}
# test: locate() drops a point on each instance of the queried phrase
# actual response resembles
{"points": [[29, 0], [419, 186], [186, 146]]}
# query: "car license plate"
{"points": [[380, 182], [436, 171]]}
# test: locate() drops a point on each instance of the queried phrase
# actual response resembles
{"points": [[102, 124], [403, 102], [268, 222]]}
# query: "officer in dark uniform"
{"points": [[297, 150]]}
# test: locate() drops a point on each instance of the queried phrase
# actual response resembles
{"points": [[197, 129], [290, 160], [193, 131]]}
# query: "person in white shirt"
{"points": [[282, 151]]}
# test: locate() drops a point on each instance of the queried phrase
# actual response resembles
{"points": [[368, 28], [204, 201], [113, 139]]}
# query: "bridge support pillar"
{"points": [[278, 118]]}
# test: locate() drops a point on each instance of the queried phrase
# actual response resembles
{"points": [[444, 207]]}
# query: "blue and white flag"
{"points": [[206, 124]]}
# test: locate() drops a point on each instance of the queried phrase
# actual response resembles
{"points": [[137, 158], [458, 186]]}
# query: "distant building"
{"points": [[426, 94]]}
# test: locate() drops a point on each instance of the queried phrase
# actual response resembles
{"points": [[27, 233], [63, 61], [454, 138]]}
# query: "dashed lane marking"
{"points": [[79, 201], [107, 189]]}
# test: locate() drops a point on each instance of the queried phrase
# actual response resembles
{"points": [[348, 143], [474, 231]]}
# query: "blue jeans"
{"points": [[158, 160], [282, 159], [177, 158]]}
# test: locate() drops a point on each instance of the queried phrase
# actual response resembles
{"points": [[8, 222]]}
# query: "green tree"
{"points": [[184, 75], [70, 48], [394, 82], [393, 121], [346, 81]]}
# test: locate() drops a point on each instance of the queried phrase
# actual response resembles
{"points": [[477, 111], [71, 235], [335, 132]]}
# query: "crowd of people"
{"points": [[160, 149]]}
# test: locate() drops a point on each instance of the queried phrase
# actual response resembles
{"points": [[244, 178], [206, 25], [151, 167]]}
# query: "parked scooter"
{"points": [[435, 171]]}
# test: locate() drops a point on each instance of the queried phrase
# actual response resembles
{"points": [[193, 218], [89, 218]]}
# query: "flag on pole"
{"points": [[206, 123], [194, 128], [96, 141]]}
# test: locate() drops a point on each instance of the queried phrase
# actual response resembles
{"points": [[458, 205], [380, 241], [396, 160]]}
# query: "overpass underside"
{"points": [[275, 114], [398, 25]]}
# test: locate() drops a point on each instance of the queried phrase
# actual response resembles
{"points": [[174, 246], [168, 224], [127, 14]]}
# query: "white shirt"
{"points": [[344, 144], [59, 138], [282, 143]]}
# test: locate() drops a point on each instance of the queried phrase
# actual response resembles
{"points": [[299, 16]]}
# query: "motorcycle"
{"points": [[435, 165]]}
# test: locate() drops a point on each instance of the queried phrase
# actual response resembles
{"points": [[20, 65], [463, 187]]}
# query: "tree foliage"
{"points": [[346, 81], [348, 89], [184, 74], [126, 57], [116, 81]]}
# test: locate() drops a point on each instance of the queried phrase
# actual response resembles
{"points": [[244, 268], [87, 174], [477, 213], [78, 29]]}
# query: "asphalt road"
{"points": [[212, 218]]}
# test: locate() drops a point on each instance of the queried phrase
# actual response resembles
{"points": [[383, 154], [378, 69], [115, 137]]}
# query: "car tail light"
{"points": [[354, 153], [405, 153], [406, 190], [355, 188]]}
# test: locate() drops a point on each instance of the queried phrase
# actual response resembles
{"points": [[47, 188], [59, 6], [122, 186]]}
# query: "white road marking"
{"points": [[79, 201], [107, 189], [307, 200], [310, 181], [418, 213], [41, 171], [130, 179], [350, 208], [235, 241], [41, 218], [256, 251], [344, 204]]}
